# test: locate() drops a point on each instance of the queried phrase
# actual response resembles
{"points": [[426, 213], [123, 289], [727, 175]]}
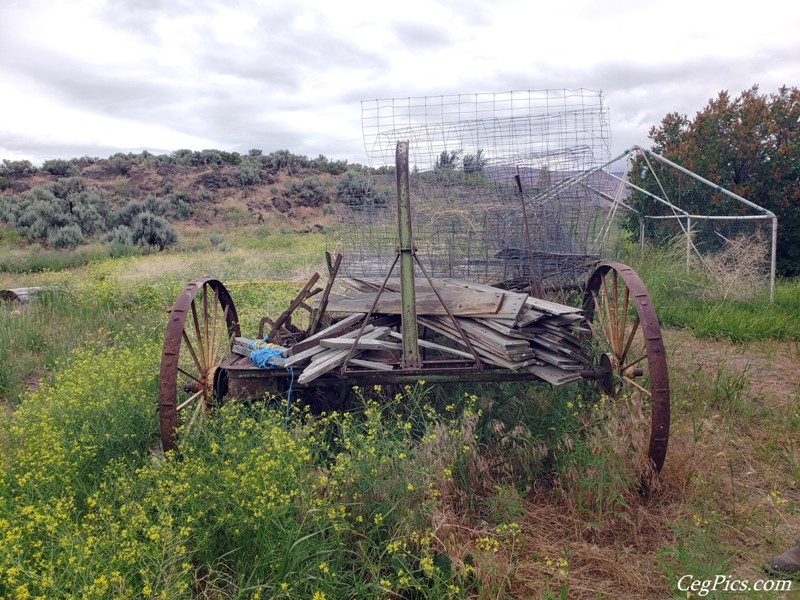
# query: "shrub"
{"points": [[5, 183], [119, 164], [308, 192], [62, 168], [67, 186], [206, 157], [119, 236], [355, 189], [153, 231], [286, 161], [126, 214], [155, 205], [183, 156], [38, 211], [248, 173], [65, 237], [18, 168], [88, 218]]}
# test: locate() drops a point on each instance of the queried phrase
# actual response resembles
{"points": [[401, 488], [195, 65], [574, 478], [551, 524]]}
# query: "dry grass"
{"points": [[739, 271]]}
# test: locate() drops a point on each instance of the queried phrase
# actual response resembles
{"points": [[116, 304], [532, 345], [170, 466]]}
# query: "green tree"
{"points": [[474, 163], [447, 161], [749, 145]]}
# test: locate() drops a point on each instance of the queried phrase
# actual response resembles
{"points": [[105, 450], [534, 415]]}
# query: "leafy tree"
{"points": [[447, 161], [749, 145], [474, 163]]}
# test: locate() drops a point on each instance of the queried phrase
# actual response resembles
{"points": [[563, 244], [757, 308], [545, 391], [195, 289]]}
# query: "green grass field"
{"points": [[494, 491]]}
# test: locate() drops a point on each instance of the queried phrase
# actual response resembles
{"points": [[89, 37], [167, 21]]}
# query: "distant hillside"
{"points": [[147, 199]]}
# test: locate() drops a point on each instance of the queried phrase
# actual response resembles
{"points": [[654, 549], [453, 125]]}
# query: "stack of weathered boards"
{"points": [[506, 329]]}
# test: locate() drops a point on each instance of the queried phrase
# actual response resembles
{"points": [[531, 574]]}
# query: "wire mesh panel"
{"points": [[515, 186], [490, 199]]}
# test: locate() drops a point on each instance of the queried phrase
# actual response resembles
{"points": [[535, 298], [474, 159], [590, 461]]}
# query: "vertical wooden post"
{"points": [[408, 327]]}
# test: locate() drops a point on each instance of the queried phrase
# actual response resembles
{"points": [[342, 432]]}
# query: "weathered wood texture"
{"points": [[505, 329]]}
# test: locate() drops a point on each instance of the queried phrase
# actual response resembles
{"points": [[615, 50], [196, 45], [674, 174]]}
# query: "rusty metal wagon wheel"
{"points": [[201, 324], [630, 360]]}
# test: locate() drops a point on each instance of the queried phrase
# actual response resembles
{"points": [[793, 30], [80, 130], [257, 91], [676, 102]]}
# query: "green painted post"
{"points": [[411, 357]]}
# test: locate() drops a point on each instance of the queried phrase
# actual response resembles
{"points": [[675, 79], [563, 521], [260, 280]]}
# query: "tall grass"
{"points": [[681, 299], [482, 492]]}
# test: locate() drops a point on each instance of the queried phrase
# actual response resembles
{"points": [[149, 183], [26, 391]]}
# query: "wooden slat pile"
{"points": [[505, 329]]}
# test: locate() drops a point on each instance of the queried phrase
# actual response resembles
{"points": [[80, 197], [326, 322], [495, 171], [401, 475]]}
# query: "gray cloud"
{"points": [[291, 87], [417, 36]]}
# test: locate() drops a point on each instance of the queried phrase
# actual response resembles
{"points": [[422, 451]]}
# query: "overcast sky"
{"points": [[94, 77]]}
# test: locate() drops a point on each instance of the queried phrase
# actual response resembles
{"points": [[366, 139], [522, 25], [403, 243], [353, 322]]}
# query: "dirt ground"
{"points": [[772, 367]]}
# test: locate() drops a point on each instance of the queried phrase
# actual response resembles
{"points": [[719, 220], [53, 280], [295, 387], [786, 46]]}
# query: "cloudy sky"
{"points": [[94, 77]]}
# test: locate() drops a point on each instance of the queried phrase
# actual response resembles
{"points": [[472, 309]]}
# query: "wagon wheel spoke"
{"points": [[627, 366], [188, 401], [192, 352], [631, 337], [197, 417], [214, 324], [630, 381], [228, 338], [198, 336], [604, 337], [202, 319], [619, 310], [194, 378]]}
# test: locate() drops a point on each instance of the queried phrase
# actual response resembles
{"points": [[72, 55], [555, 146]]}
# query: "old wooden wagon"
{"points": [[408, 326]]}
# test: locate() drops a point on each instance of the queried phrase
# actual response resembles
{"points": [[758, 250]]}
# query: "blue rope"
{"points": [[269, 356]]}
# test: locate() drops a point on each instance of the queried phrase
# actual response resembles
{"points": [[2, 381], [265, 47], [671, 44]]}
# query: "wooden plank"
{"points": [[488, 353], [554, 375], [316, 349], [348, 323], [512, 301], [557, 359], [336, 358], [362, 344], [286, 315], [527, 316], [509, 309], [551, 307], [427, 303], [503, 341], [435, 346], [372, 365]]}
